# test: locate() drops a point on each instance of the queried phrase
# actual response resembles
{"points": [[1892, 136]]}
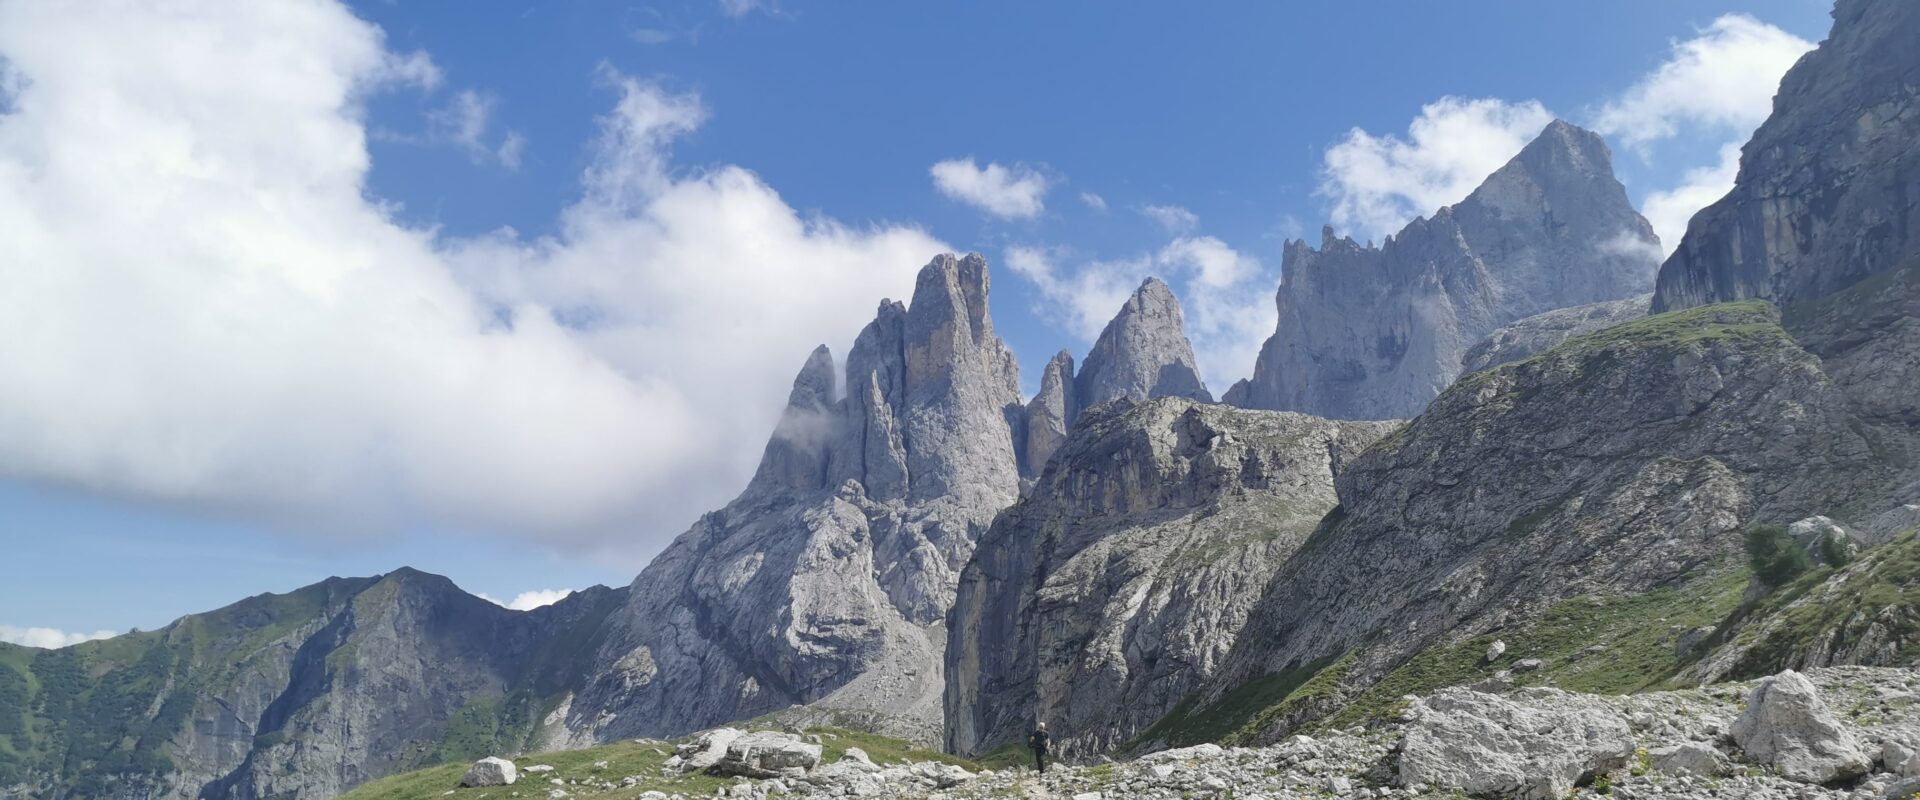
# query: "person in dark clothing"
{"points": [[1039, 742]]}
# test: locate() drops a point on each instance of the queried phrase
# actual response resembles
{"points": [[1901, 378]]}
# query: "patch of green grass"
{"points": [[1324, 685], [623, 759], [1186, 725], [1636, 632], [882, 749], [1007, 756]]}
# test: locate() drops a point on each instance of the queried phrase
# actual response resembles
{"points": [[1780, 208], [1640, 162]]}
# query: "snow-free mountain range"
{"points": [[1510, 421]]}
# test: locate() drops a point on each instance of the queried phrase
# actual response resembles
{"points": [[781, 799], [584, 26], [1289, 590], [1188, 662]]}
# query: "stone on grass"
{"points": [[490, 771]]}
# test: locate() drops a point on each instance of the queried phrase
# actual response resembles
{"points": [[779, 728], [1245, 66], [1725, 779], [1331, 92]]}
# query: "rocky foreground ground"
{"points": [[1843, 732]]}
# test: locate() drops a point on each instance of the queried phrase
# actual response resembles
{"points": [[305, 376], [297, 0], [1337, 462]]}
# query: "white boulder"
{"points": [[490, 771]]}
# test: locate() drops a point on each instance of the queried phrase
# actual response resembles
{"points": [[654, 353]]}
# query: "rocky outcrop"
{"points": [[1142, 353], [1617, 462], [305, 694], [1049, 413], [1377, 333], [1536, 746], [1829, 187], [1542, 332], [1787, 727], [1122, 579], [827, 581]]}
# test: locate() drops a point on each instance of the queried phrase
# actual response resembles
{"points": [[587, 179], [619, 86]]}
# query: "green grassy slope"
{"points": [[641, 760]]}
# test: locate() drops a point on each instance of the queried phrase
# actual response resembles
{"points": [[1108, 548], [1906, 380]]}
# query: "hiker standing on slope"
{"points": [[1039, 742]]}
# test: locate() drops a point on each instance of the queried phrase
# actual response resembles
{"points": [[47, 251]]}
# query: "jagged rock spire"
{"points": [[1049, 413], [796, 455], [1142, 353]]}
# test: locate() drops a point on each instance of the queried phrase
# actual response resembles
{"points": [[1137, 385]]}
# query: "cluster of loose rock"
{"points": [[1843, 732]]}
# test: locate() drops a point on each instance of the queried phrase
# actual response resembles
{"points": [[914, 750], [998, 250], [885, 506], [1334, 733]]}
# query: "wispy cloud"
{"points": [[1094, 201], [465, 122], [1008, 192], [1172, 219]]}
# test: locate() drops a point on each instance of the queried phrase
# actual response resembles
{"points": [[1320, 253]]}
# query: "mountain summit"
{"points": [[1377, 332]]}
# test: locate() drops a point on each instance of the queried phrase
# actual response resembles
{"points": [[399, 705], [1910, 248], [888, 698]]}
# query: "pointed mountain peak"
{"points": [[1142, 353], [796, 455], [1049, 414], [951, 287], [1565, 148]]}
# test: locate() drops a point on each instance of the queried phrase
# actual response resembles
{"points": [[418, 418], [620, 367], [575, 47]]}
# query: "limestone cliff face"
{"points": [[1377, 333], [1539, 333], [1121, 581], [1616, 462], [1829, 187], [300, 695], [827, 580]]}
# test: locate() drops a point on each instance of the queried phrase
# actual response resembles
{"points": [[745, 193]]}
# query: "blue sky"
{"points": [[510, 291]]}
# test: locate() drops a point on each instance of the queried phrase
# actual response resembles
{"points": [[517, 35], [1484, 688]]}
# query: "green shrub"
{"points": [[1774, 556], [1834, 550]]}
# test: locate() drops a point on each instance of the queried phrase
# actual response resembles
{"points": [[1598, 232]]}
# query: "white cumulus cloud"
{"points": [[1016, 192], [1377, 184], [1724, 77], [1718, 84], [528, 601], [205, 308], [49, 638]]}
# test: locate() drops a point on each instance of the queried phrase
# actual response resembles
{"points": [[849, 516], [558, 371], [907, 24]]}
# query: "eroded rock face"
{"points": [[1829, 186], [1377, 333], [1539, 333], [1537, 747], [827, 580], [1122, 579], [1616, 463], [1787, 726], [1142, 353]]}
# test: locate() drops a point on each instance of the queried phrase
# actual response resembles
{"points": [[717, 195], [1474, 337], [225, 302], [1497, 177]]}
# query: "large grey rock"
{"points": [[1376, 332], [1539, 333], [767, 754], [1488, 746], [1142, 353], [1787, 726], [1121, 580], [706, 749], [1829, 187], [490, 771], [1689, 758], [826, 581]]}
